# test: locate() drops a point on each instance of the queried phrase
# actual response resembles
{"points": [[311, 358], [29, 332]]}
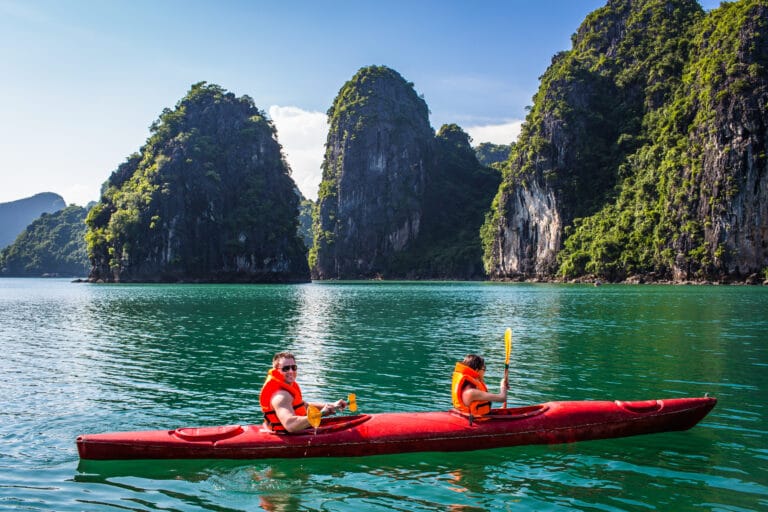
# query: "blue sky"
{"points": [[83, 80]]}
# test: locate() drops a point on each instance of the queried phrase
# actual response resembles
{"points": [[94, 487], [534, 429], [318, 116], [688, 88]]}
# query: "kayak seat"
{"points": [[508, 414], [207, 433], [327, 425]]}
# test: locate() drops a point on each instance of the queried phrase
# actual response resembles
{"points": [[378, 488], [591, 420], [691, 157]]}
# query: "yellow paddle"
{"points": [[508, 351], [314, 416], [352, 400]]}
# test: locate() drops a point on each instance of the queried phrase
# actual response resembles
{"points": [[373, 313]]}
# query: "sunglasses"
{"points": [[289, 367]]}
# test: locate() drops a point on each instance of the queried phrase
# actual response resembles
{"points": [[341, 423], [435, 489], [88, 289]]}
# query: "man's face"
{"points": [[287, 366]]}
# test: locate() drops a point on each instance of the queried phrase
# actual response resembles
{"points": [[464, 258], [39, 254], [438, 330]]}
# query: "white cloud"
{"points": [[302, 134], [79, 194], [506, 133]]}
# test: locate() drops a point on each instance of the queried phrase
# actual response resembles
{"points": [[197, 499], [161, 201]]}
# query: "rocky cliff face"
{"points": [[729, 179], [370, 200], [644, 152], [586, 118], [208, 198], [529, 236]]}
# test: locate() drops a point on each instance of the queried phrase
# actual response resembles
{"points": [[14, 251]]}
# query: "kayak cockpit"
{"points": [[331, 424], [507, 414]]}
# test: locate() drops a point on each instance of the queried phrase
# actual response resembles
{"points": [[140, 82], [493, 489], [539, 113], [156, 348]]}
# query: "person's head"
{"points": [[285, 363], [474, 361]]}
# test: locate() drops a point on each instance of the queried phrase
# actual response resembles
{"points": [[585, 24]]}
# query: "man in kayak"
{"points": [[284, 408], [468, 389]]}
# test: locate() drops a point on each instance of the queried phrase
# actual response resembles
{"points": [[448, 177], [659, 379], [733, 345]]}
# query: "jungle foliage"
{"points": [[492, 155], [458, 193]]}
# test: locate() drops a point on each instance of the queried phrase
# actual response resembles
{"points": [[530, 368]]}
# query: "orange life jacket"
{"points": [[275, 382], [463, 376]]}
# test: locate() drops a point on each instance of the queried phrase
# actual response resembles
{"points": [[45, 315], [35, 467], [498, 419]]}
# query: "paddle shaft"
{"points": [[506, 381], [508, 351]]}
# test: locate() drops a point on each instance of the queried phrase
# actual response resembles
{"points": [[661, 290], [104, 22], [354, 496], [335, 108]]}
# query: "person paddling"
{"points": [[468, 389], [284, 408]]}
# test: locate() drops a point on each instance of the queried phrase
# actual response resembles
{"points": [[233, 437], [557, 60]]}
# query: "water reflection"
{"points": [[313, 339]]}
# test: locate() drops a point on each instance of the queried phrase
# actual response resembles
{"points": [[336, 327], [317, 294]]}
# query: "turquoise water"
{"points": [[81, 358]]}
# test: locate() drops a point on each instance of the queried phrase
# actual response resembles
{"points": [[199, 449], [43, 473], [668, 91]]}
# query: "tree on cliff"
{"points": [[54, 243], [492, 155], [208, 198], [628, 162], [305, 222]]}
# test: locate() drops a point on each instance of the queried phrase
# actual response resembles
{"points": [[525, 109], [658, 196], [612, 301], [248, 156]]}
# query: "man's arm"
{"points": [[327, 409], [282, 403]]}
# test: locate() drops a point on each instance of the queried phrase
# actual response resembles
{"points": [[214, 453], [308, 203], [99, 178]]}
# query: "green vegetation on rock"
{"points": [[208, 198], [17, 215], [305, 221], [396, 201], [675, 191], [493, 155]]}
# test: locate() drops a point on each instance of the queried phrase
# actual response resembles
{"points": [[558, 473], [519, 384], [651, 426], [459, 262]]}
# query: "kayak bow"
{"points": [[377, 434]]}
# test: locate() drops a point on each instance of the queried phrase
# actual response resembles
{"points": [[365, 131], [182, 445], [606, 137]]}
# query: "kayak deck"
{"points": [[386, 433]]}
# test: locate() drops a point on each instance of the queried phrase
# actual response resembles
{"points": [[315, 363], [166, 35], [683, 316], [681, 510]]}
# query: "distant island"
{"points": [[53, 245], [17, 215]]}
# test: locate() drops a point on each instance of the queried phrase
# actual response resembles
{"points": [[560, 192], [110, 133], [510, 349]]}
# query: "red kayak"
{"points": [[376, 434]]}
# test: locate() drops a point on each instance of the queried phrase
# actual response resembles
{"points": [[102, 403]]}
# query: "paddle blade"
{"points": [[352, 399], [314, 416], [507, 345]]}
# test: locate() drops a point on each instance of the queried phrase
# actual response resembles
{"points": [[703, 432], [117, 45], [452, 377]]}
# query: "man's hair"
{"points": [[282, 355], [474, 361]]}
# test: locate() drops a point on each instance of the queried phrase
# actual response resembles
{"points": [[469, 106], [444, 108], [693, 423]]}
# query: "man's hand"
{"points": [[329, 409]]}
